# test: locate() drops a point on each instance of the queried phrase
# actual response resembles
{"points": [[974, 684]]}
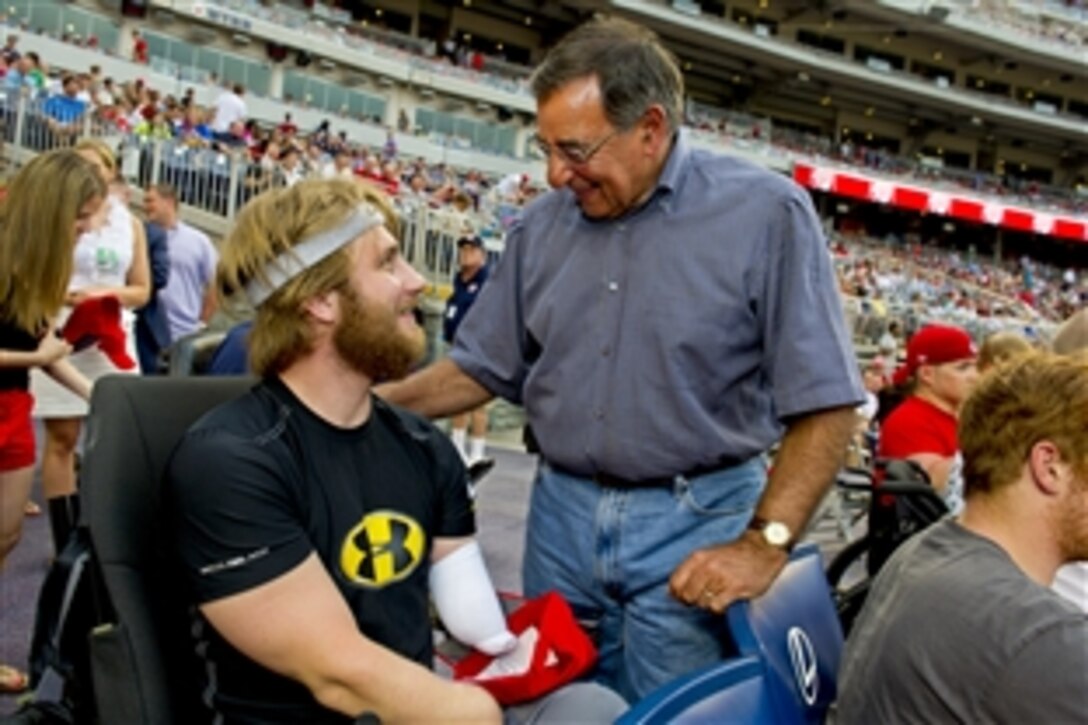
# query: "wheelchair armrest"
{"points": [[854, 479], [908, 488]]}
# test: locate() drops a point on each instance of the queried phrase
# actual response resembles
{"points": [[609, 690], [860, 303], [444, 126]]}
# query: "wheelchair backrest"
{"points": [[133, 427]]}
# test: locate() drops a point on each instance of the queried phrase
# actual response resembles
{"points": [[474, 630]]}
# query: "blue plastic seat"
{"points": [[789, 642]]}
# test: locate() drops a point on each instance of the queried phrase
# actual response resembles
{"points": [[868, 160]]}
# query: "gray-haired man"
{"points": [[665, 315]]}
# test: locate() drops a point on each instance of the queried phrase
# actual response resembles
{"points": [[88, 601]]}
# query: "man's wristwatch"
{"points": [[774, 533]]}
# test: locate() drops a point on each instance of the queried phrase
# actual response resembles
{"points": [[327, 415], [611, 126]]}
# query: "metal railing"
{"points": [[213, 185]]}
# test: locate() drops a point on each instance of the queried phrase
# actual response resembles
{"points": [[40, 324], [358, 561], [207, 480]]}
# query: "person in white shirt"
{"points": [[229, 108]]}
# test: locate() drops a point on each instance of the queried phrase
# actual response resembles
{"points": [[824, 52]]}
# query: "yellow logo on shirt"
{"points": [[385, 547]]}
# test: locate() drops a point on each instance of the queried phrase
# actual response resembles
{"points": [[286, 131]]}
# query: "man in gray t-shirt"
{"points": [[960, 625]]}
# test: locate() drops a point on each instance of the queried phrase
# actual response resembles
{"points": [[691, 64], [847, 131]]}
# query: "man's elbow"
{"points": [[336, 695]]}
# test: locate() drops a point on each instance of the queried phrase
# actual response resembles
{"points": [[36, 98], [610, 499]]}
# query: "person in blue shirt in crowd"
{"points": [[665, 315], [64, 112], [467, 282]]}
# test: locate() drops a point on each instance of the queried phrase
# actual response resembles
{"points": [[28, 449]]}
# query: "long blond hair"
{"points": [[38, 232], [102, 152], [270, 225]]}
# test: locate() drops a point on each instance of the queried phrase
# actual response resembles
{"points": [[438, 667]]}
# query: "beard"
{"points": [[370, 338], [1073, 522]]}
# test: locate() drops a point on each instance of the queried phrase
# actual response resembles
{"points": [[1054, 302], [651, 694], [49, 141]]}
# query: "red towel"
{"points": [[98, 320]]}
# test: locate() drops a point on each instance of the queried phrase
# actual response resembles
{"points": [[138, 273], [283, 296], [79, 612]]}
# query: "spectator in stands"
{"points": [[339, 167], [468, 281], [152, 327], [288, 128], [890, 342], [139, 48], [941, 370], [688, 373], [110, 260], [36, 73], [230, 109], [187, 299], [10, 52], [18, 75], [64, 113], [999, 348], [960, 625], [48, 204], [194, 129], [290, 170], [329, 622]]}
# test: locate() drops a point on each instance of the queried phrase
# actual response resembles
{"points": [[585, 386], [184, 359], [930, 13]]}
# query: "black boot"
{"points": [[63, 517]]}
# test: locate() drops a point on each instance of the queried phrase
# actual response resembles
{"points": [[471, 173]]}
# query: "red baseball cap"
{"points": [[939, 344]]}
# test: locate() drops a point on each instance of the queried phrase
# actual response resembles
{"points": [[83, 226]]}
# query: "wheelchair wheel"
{"points": [[849, 565], [848, 577]]}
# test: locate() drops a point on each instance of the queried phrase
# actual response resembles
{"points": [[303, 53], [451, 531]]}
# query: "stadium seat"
{"points": [[145, 667], [789, 643], [192, 354]]}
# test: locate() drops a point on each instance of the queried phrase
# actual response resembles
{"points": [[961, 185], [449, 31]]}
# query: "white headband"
{"points": [[306, 254]]}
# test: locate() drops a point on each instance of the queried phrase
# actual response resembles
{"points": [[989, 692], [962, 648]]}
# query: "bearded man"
{"points": [[311, 550]]}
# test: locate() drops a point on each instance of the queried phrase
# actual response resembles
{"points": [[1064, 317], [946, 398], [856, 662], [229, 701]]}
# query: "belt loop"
{"points": [[680, 484]]}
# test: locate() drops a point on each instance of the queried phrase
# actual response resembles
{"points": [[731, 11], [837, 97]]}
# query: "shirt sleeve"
{"points": [[809, 358], [211, 259], [457, 517], [492, 345], [1045, 681], [235, 523], [901, 437]]}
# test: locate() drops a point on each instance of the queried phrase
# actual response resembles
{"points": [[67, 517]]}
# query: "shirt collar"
{"points": [[676, 164]]}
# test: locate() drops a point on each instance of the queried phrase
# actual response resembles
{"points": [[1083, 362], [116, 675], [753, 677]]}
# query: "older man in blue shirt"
{"points": [[665, 315]]}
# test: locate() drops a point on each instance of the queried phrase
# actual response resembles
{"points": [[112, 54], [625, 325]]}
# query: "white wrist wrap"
{"points": [[466, 601]]}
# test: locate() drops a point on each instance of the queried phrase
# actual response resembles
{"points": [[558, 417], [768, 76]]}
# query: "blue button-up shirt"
{"points": [[680, 335]]}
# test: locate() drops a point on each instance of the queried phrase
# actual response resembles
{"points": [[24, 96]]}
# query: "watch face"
{"points": [[777, 533]]}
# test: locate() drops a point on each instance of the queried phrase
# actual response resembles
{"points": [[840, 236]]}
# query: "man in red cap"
{"points": [[941, 368]]}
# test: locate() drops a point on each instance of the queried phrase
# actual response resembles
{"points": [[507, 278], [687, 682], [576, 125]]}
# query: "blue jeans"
{"points": [[610, 553]]}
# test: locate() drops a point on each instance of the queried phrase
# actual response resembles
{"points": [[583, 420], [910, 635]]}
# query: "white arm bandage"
{"points": [[466, 601]]}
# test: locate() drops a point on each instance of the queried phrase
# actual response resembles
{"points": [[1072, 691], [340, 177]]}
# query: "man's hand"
{"points": [[716, 577]]}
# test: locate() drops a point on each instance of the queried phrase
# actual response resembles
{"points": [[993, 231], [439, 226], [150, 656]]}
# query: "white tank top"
{"points": [[103, 256]]}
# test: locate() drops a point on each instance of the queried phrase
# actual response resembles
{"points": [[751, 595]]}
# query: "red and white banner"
{"points": [[939, 201]]}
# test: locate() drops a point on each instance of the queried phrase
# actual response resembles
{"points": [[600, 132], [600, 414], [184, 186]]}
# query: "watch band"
{"points": [[774, 533]]}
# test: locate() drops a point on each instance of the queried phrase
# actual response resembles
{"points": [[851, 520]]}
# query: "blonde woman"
{"points": [[109, 259], [47, 206]]}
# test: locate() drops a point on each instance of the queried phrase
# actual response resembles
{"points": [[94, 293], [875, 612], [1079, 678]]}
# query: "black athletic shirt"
{"points": [[13, 337], [260, 482]]}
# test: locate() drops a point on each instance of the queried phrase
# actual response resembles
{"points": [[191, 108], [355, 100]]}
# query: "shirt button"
{"points": [[613, 287], [606, 350], [598, 414]]}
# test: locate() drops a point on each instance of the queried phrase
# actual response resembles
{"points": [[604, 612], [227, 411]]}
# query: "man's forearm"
{"points": [[438, 390], [811, 454]]}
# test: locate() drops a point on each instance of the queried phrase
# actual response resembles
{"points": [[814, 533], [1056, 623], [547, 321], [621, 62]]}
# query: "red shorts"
{"points": [[16, 430]]}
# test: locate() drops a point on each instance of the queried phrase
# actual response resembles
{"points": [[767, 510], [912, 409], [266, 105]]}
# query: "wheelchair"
{"points": [[789, 640], [901, 502]]}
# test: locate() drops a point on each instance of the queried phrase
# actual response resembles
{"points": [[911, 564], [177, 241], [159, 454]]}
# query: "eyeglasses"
{"points": [[570, 152]]}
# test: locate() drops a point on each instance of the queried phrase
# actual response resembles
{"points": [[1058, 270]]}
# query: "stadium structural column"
{"points": [[275, 82], [125, 42], [521, 142], [397, 98]]}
